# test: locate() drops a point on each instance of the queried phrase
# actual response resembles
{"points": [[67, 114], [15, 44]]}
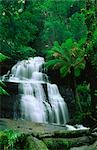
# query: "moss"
{"points": [[57, 140], [61, 143], [64, 134], [33, 143]]}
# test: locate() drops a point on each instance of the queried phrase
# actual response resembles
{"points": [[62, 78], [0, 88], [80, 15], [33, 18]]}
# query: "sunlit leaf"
{"points": [[3, 57], [2, 91]]}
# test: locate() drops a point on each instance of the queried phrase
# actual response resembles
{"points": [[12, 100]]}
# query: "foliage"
{"points": [[91, 22], [17, 29], [66, 56], [84, 111], [85, 98], [95, 37], [62, 20], [78, 27], [23, 52], [36, 24], [2, 57], [82, 26], [2, 91], [93, 45], [11, 140], [55, 30], [65, 32]]}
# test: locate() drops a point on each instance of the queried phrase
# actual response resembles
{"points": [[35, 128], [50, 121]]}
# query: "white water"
{"points": [[36, 104]]}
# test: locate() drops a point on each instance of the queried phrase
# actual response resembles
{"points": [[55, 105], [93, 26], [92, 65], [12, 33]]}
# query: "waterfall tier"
{"points": [[38, 104]]}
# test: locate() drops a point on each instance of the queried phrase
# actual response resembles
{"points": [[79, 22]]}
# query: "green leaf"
{"points": [[82, 66], [54, 63], [76, 72], [81, 42], [51, 63], [56, 44], [2, 91], [95, 38], [68, 44], [3, 57], [64, 71]]}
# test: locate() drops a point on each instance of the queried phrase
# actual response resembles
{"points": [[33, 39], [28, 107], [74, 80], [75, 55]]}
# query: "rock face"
{"points": [[10, 103], [34, 136]]}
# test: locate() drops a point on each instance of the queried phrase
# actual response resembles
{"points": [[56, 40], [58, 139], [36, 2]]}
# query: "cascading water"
{"points": [[40, 100]]}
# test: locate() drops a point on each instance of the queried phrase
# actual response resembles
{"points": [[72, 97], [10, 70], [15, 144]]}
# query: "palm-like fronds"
{"points": [[2, 57], [69, 54], [55, 63]]}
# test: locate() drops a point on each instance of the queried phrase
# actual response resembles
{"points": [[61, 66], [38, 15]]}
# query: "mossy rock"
{"points": [[11, 140], [63, 134], [65, 143], [33, 143], [26, 135], [86, 147]]}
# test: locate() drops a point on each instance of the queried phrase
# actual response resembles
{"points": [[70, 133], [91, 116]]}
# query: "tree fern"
{"points": [[68, 54], [64, 71], [54, 63], [2, 57]]}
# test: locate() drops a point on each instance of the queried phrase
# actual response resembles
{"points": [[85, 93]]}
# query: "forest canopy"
{"points": [[30, 28]]}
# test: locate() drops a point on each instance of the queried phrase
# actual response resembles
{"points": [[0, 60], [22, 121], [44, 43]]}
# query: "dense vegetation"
{"points": [[65, 33], [2, 91]]}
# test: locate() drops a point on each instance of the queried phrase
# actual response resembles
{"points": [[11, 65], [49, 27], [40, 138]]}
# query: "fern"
{"points": [[68, 44], [3, 57], [64, 71], [53, 63], [68, 54]]}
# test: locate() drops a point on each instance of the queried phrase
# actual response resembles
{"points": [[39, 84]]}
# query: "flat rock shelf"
{"points": [[46, 136]]}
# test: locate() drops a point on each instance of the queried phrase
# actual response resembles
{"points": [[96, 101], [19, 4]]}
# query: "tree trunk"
{"points": [[74, 88], [90, 75]]}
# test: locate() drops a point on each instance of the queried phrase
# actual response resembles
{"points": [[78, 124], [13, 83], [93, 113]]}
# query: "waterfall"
{"points": [[39, 99]]}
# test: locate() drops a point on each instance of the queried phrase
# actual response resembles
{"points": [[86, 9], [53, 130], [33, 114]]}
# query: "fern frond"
{"points": [[3, 57], [64, 71], [2, 91], [52, 63]]}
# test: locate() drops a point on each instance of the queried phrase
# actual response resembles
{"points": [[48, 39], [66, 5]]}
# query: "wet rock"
{"points": [[94, 134], [90, 147], [34, 136], [41, 130], [94, 130], [65, 143], [80, 148]]}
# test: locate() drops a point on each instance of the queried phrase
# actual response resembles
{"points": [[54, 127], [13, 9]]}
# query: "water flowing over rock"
{"points": [[39, 99]]}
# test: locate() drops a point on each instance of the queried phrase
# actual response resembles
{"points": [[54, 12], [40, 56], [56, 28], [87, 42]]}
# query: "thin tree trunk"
{"points": [[90, 75], [74, 88]]}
